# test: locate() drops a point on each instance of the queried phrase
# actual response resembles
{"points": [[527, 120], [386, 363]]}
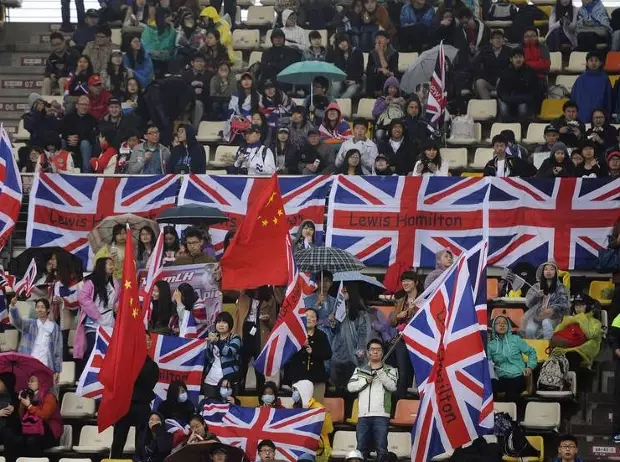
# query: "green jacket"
{"points": [[507, 352], [160, 47], [591, 327]]}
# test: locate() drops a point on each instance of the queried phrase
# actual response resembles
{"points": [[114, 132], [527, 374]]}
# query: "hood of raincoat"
{"points": [[306, 390]]}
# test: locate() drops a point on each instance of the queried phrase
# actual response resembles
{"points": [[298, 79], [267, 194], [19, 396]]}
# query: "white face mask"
{"points": [[296, 396], [268, 399], [182, 397], [225, 392]]}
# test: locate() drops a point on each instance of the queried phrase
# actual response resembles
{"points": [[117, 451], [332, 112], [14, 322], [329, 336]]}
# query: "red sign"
{"points": [[22, 84]]}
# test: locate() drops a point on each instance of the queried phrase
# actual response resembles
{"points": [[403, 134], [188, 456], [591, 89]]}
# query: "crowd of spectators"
{"points": [[137, 107]]}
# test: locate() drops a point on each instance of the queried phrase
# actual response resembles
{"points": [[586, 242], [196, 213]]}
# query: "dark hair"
{"points": [[568, 104], [355, 303], [374, 341], [465, 13], [89, 70], [116, 230], [599, 109], [163, 310], [498, 139], [141, 246], [568, 437], [174, 247], [45, 302], [228, 237], [226, 317], [126, 95], [382, 33], [314, 34], [562, 11], [359, 121], [326, 274], [254, 100], [160, 19], [264, 127], [425, 160], [192, 232], [104, 29], [548, 287], [100, 280], [498, 33], [188, 295], [136, 58], [508, 135], [107, 133], [214, 32], [389, 457], [267, 384], [411, 275], [268, 443], [117, 79], [23, 158], [199, 418], [532, 29], [344, 169], [57, 35], [65, 268]]}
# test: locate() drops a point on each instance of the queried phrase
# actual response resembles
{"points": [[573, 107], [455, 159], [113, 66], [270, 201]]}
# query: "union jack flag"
{"points": [[10, 189], [437, 100], [179, 432], [450, 364], [188, 328], [177, 358], [6, 280], [382, 220], [154, 271], [65, 208], [68, 294], [304, 199], [294, 431], [566, 220], [4, 312], [289, 334], [26, 284]]}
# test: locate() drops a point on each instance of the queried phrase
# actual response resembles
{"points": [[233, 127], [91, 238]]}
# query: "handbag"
{"points": [[32, 425], [608, 260], [570, 337]]}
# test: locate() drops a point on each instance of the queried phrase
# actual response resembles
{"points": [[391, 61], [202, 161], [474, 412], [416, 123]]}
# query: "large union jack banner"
{"points": [[10, 189], [65, 208], [450, 363], [303, 196], [294, 431], [382, 220], [566, 220], [177, 358]]}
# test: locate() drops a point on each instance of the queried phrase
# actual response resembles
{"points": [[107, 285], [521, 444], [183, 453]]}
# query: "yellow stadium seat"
{"points": [[613, 79], [354, 413], [472, 174], [538, 443], [248, 401], [541, 348], [229, 307], [551, 109], [602, 291]]}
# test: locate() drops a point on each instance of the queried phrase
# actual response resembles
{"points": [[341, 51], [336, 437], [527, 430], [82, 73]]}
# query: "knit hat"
{"points": [[277, 33], [611, 154]]}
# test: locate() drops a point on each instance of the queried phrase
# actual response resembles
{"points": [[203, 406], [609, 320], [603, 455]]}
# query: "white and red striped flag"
{"points": [[26, 284], [154, 269], [437, 98]]}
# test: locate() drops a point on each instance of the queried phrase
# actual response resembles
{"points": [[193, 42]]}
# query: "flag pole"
{"points": [[399, 337]]}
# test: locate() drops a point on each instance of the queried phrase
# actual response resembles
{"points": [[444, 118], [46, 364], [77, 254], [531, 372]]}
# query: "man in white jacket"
{"points": [[367, 148], [254, 158], [374, 383]]}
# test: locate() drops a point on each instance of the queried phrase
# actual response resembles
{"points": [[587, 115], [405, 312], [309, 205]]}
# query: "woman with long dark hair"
{"points": [[65, 298], [132, 97], [98, 297], [429, 162], [29, 158], [115, 249], [188, 156], [159, 40], [183, 299], [155, 443], [161, 308], [116, 74], [139, 61], [349, 337], [146, 243], [352, 164], [562, 34], [242, 104]]}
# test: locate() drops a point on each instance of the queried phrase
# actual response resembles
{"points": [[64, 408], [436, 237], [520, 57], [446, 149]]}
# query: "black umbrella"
{"points": [[192, 215], [41, 255]]}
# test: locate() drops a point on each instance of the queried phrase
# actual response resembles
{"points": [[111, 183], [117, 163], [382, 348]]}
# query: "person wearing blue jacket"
{"points": [[416, 19], [139, 61], [506, 351], [592, 89]]}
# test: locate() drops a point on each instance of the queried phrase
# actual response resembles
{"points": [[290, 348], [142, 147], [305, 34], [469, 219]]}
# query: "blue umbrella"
{"points": [[304, 72]]}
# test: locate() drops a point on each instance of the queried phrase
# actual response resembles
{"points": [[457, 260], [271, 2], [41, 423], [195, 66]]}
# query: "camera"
{"points": [[26, 393]]}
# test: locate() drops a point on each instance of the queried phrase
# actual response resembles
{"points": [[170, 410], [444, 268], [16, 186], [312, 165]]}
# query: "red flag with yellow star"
{"points": [[127, 350], [256, 255]]}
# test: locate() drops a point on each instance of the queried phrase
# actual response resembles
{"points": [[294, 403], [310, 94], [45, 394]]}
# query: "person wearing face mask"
{"points": [[309, 362], [176, 405], [225, 394], [222, 355], [547, 303], [268, 396], [582, 315], [303, 392], [155, 442], [443, 260]]}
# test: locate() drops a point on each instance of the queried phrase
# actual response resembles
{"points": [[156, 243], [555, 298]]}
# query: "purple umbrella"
{"points": [[24, 366]]}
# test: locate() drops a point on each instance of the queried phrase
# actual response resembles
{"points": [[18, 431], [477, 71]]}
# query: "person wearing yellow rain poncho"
{"points": [[217, 23], [582, 314], [302, 398]]}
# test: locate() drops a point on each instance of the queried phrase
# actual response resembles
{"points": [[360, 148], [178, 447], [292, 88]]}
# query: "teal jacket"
{"points": [[160, 47], [507, 352]]}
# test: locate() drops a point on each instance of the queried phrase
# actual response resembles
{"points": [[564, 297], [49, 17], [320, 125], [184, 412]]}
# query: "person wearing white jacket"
{"points": [[367, 148], [430, 163], [374, 383], [254, 158]]}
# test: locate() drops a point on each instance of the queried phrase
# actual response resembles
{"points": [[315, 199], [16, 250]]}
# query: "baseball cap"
{"points": [[92, 13], [254, 129], [94, 80], [284, 129], [550, 128], [313, 131], [112, 101]]}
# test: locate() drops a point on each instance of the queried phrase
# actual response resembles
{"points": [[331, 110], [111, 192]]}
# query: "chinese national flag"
{"points": [[127, 350], [256, 255]]}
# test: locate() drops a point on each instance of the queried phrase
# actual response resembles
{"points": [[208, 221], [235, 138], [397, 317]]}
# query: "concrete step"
{"points": [[25, 47], [20, 84], [33, 70], [24, 61], [11, 115]]}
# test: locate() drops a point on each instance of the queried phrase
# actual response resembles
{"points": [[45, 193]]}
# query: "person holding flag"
{"points": [[128, 374]]}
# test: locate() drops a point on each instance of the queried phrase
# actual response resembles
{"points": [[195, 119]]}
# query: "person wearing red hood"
{"points": [[613, 163], [99, 97], [536, 54], [334, 129], [106, 162], [38, 407]]}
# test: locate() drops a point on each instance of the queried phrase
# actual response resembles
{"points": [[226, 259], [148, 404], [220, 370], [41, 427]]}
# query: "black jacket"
{"points": [[599, 170], [200, 83], [171, 408], [489, 67], [191, 154], [353, 65], [145, 383], [154, 446], [63, 65], [122, 128], [41, 125], [402, 160], [546, 168], [517, 167], [276, 59], [375, 79], [518, 86], [569, 139], [83, 126], [311, 366]]}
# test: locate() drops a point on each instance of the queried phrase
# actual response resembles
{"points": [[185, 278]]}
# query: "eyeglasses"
{"points": [[568, 446], [267, 450], [193, 242]]}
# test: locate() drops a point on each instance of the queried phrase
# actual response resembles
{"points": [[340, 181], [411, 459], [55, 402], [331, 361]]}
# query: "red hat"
{"points": [[611, 154], [94, 80]]}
